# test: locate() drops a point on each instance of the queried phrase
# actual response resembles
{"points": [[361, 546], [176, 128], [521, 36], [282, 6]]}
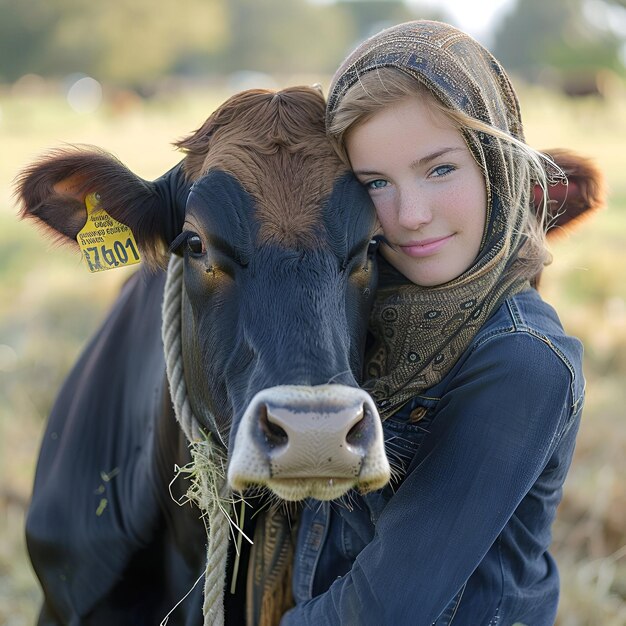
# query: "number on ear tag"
{"points": [[105, 242]]}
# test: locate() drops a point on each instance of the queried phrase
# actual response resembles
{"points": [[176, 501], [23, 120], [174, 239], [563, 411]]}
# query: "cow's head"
{"points": [[276, 237]]}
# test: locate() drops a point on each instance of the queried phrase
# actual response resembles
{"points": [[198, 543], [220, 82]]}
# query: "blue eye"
{"points": [[442, 170], [379, 183]]}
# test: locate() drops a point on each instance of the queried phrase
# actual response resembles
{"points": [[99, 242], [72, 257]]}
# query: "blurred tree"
{"points": [[303, 35], [140, 41], [24, 36], [129, 41], [370, 16], [539, 38], [286, 37]]}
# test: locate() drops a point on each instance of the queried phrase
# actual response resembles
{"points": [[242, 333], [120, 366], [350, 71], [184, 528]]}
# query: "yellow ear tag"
{"points": [[105, 242]]}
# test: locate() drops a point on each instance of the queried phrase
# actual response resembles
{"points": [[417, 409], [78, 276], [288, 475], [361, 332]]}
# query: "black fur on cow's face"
{"points": [[259, 313]]}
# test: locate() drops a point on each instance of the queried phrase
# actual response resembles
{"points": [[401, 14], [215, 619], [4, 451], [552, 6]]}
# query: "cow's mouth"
{"points": [[323, 488]]}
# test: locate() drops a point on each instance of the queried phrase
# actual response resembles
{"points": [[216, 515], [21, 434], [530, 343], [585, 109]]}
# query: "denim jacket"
{"points": [[462, 535]]}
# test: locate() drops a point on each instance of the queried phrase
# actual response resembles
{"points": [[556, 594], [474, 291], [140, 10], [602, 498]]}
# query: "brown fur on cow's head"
{"points": [[269, 142], [254, 135]]}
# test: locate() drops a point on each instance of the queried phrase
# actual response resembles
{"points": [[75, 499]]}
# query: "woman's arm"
{"points": [[495, 429]]}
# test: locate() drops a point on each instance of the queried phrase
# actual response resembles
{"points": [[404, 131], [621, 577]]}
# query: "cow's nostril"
{"points": [[274, 434], [357, 433]]}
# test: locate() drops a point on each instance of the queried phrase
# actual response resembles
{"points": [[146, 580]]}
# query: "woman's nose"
{"points": [[413, 210]]}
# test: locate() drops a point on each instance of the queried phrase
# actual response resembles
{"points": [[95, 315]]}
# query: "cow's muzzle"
{"points": [[314, 442]]}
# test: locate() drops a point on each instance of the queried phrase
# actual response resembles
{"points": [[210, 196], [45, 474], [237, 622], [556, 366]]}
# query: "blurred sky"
{"points": [[473, 16]]}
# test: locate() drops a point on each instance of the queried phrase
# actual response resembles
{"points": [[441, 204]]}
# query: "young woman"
{"points": [[479, 387]]}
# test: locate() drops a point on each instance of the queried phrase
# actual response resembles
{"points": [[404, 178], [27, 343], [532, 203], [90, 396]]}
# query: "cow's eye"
{"points": [[194, 244], [188, 242]]}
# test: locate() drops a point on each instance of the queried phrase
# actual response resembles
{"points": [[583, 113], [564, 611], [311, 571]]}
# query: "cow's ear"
{"points": [[53, 190], [583, 193]]}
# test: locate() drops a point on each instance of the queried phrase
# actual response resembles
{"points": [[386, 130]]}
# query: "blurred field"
{"points": [[49, 304]]}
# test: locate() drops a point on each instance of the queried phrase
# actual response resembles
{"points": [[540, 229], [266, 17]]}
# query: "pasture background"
{"points": [[49, 305]]}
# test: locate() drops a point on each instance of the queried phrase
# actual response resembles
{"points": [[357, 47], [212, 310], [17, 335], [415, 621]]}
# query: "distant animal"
{"points": [[599, 83], [279, 272]]}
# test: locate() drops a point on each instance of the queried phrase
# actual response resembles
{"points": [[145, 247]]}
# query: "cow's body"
{"points": [[107, 541]]}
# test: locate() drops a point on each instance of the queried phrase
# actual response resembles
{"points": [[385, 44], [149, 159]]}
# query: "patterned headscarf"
{"points": [[420, 332]]}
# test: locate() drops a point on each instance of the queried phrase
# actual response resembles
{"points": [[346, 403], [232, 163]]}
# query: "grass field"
{"points": [[49, 304]]}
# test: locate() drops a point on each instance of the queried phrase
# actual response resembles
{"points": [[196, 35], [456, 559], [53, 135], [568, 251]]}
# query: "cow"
{"points": [[277, 244], [276, 237]]}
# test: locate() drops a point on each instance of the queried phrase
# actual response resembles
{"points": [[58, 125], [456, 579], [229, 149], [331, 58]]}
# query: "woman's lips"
{"points": [[425, 247]]}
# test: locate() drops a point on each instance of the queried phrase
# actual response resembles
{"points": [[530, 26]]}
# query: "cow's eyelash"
{"points": [[180, 240]]}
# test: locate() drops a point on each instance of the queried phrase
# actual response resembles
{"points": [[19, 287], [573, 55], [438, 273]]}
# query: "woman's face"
{"points": [[429, 192]]}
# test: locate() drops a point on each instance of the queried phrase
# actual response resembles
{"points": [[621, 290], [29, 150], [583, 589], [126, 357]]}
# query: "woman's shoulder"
{"points": [[523, 323], [527, 313]]}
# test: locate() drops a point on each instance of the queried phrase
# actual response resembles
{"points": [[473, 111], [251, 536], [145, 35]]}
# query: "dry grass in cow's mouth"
{"points": [[208, 488]]}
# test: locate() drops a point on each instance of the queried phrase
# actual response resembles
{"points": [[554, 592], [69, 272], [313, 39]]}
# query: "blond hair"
{"points": [[385, 86]]}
